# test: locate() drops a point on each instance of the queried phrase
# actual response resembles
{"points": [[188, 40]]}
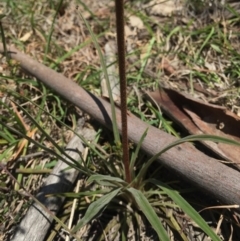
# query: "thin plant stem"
{"points": [[3, 38], [119, 4], [47, 48]]}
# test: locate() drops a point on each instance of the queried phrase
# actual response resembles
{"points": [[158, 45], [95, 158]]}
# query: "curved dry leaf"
{"points": [[198, 117]]}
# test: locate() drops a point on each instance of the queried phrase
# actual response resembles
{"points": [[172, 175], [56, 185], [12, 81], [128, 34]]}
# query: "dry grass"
{"points": [[198, 47]]}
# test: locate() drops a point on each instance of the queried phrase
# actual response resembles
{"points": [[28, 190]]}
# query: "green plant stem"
{"points": [[119, 4]]}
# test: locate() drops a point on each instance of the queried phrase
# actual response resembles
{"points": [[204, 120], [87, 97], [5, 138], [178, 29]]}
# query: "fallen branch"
{"points": [[207, 173], [35, 224]]}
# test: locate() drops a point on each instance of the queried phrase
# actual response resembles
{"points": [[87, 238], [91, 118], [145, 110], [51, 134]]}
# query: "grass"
{"points": [[207, 53]]}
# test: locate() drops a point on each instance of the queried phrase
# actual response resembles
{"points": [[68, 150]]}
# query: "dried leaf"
{"points": [[198, 117], [136, 22], [26, 36], [167, 67], [164, 8]]}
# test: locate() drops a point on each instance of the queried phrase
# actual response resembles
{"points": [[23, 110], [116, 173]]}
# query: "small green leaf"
{"points": [[150, 214], [212, 31], [216, 48], [104, 69], [95, 207]]}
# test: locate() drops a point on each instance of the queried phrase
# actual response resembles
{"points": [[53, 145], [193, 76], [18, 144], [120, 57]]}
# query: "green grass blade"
{"points": [[93, 16], [59, 60], [43, 132], [174, 31], [135, 154], [95, 207], [66, 158], [6, 135], [91, 146], [165, 124], [187, 208], [146, 58], [51, 30], [205, 42], [104, 69], [149, 213], [3, 38], [190, 138]]}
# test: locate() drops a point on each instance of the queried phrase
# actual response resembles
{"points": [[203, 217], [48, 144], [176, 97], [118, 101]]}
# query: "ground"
{"points": [[174, 43]]}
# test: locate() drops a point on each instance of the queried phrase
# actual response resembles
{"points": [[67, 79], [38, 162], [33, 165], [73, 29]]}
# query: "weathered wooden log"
{"points": [[37, 221]]}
